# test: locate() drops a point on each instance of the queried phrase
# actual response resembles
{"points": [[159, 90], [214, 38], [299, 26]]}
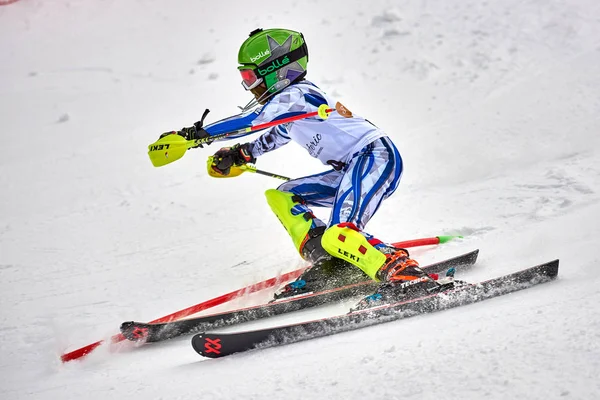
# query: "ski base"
{"points": [[216, 345]]}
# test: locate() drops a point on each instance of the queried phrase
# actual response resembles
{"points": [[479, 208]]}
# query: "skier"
{"points": [[366, 167]]}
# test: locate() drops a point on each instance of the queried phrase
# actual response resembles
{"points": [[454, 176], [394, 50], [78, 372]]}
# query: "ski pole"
{"points": [[323, 112], [253, 169], [237, 170], [171, 148]]}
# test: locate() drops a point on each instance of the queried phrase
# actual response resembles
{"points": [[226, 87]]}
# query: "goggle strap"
{"points": [[292, 56]]}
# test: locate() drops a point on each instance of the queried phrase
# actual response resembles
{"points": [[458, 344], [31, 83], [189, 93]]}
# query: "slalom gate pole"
{"points": [[425, 241]]}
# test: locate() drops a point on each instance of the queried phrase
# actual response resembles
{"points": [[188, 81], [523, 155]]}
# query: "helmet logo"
{"points": [[260, 55], [278, 63]]}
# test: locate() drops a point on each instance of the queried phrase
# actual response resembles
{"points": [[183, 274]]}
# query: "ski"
{"points": [[144, 332], [214, 345]]}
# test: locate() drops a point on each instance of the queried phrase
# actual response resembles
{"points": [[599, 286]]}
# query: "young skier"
{"points": [[366, 167]]}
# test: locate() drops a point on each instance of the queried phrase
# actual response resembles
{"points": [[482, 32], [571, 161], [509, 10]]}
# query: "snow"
{"points": [[493, 105]]}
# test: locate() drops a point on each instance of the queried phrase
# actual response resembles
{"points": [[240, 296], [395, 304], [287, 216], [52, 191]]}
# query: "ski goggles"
{"points": [[249, 79]]}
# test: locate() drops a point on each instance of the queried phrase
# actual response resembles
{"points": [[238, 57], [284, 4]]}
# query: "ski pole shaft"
{"points": [[170, 148], [252, 168], [322, 112], [237, 170], [272, 175]]}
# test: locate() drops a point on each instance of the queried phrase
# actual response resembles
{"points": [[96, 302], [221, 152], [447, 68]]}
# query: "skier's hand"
{"points": [[191, 133], [227, 157], [194, 132]]}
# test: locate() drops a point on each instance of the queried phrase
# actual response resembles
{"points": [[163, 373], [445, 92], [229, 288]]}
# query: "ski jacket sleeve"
{"points": [[291, 102], [273, 138], [286, 104], [270, 140], [232, 123]]}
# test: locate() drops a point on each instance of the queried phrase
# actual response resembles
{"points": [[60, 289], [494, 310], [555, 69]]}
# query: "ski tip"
{"points": [[552, 268], [471, 257], [134, 331], [125, 325], [546, 271]]}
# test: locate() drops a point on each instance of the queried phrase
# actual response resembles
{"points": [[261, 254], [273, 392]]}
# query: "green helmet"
{"points": [[277, 57]]}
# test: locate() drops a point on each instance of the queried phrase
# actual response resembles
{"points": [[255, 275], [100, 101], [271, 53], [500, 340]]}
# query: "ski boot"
{"points": [[326, 271], [389, 250], [306, 232], [382, 247], [401, 278], [400, 275]]}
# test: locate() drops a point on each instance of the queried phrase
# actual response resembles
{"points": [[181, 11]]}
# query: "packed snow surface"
{"points": [[494, 106]]}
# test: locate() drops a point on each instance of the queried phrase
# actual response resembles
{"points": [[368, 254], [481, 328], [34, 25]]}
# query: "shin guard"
{"points": [[295, 217], [346, 242]]}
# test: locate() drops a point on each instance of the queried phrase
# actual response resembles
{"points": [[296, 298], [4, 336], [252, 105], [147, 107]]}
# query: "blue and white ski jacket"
{"points": [[335, 139]]}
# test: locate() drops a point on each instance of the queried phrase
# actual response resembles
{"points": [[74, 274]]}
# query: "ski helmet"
{"points": [[277, 57]]}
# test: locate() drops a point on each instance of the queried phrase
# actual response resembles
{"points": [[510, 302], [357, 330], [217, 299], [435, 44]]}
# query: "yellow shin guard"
{"points": [[296, 225], [349, 245]]}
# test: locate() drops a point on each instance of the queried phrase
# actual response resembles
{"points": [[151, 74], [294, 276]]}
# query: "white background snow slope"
{"points": [[494, 106]]}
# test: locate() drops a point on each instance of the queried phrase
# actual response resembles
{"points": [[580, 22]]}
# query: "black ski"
{"points": [[143, 332], [216, 345]]}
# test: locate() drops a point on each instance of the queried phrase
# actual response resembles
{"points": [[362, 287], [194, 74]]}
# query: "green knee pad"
{"points": [[296, 225]]}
